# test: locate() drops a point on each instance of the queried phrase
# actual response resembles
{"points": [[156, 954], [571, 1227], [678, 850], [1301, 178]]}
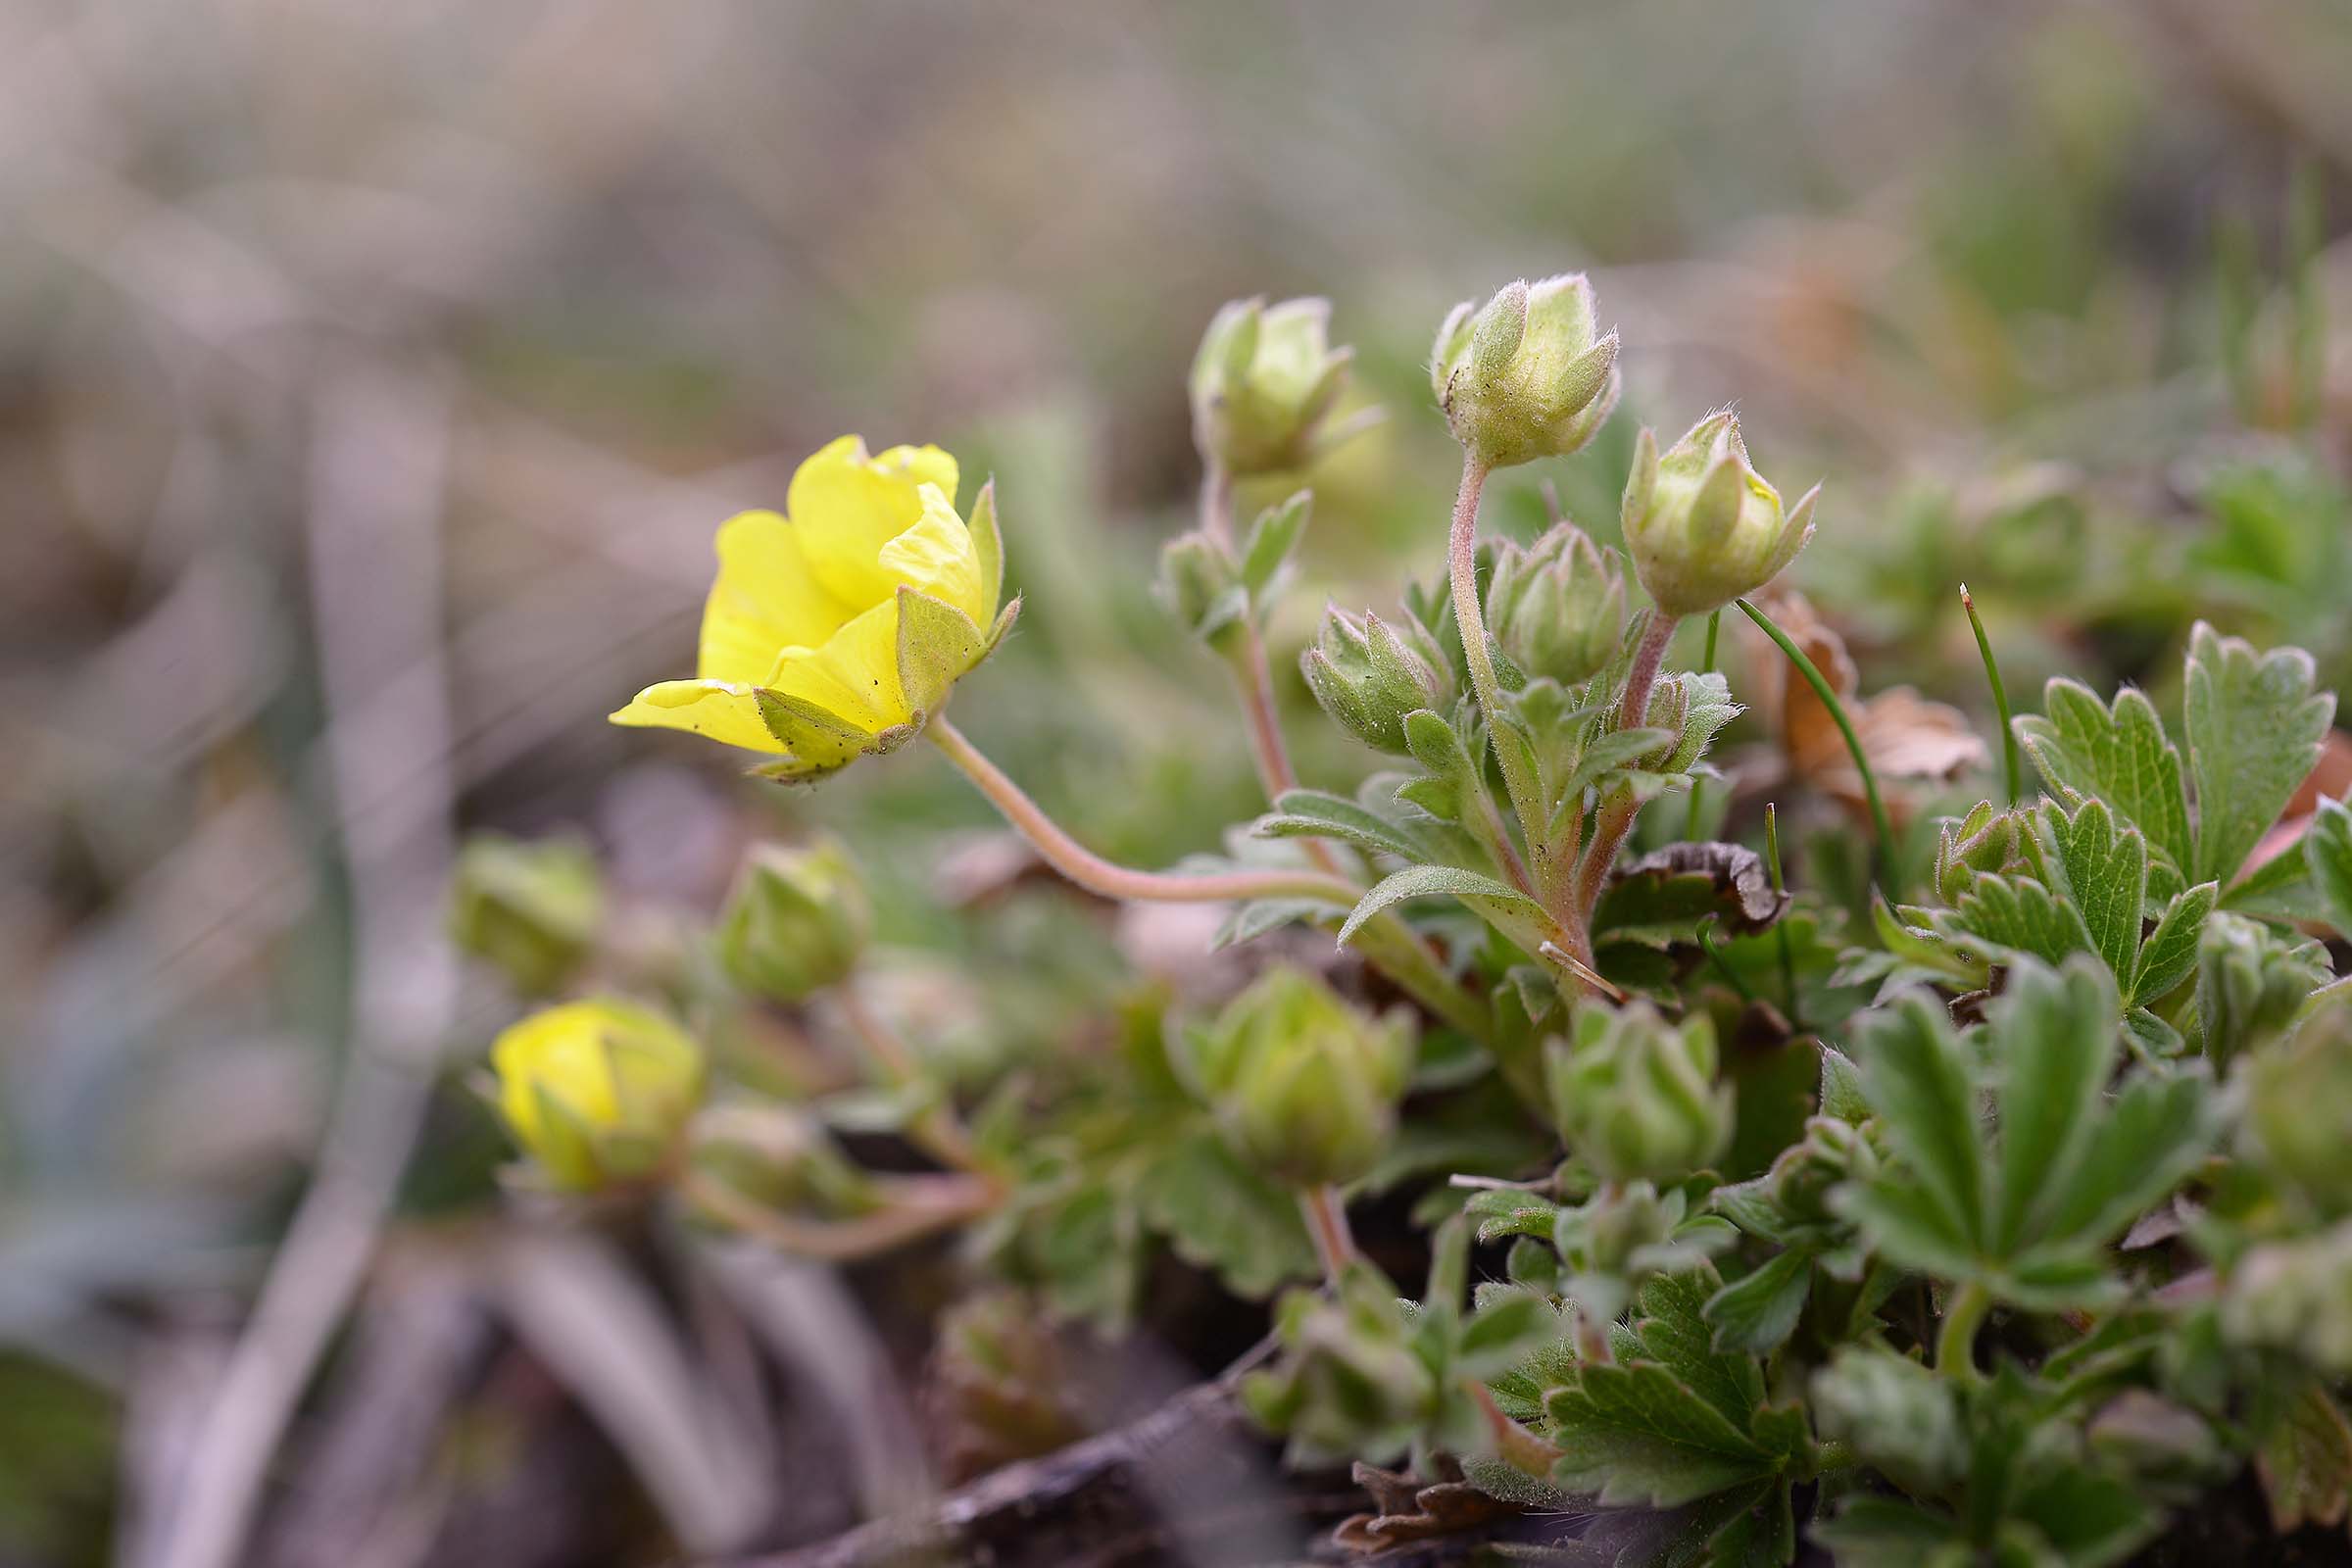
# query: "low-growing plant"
{"points": [[1994, 1220]]}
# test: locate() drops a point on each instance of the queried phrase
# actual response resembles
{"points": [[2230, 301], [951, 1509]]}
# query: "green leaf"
{"points": [[1220, 1214], [2000, 917], [2151, 1136], [1707, 707], [2328, 852], [1758, 1529], [2169, 955], [1510, 1326], [1918, 1080], [2278, 889], [1875, 1531], [2119, 755], [1271, 539], [1254, 919], [1759, 1310], [2057, 1038], [1313, 813], [2102, 873], [1670, 1327], [1430, 881], [2254, 728], [1909, 1228], [1635, 1434]]}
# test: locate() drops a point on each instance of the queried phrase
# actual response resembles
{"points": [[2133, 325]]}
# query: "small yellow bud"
{"points": [[1702, 526], [596, 1091]]}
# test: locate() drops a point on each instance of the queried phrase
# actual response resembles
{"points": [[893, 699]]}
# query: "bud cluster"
{"points": [[1982, 843]]}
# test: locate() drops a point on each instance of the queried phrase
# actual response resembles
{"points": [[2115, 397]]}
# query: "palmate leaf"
{"points": [[2102, 872], [2254, 727], [2119, 754], [2030, 1212], [1217, 1213]]}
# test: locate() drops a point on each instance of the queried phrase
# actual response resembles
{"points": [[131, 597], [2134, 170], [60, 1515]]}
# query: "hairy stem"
{"points": [[1387, 941], [939, 1132], [1550, 887], [1613, 822], [1714, 628], [916, 1206], [1326, 1216]]}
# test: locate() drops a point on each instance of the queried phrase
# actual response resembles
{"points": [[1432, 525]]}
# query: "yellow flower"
{"points": [[597, 1091], [837, 628]]}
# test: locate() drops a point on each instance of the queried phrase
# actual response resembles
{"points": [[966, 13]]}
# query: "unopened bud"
{"points": [[2250, 984], [796, 921], [1528, 375], [1202, 585], [1369, 674], [1703, 528], [1264, 384], [532, 909], [2299, 1107], [1303, 1084], [1636, 1096], [1983, 842], [596, 1091], [1556, 609]]}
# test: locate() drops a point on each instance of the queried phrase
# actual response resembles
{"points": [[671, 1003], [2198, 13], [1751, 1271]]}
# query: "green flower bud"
{"points": [[796, 921], [1202, 585], [1832, 1153], [1556, 609], [2295, 1295], [596, 1091], [1303, 1084], [2299, 1108], [1902, 1418], [1528, 375], [1368, 675], [1263, 382], [532, 909], [1984, 841], [1702, 526], [2250, 984], [1636, 1096]]}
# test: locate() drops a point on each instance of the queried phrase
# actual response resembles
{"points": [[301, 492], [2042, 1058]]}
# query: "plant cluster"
{"points": [[1992, 1219]]}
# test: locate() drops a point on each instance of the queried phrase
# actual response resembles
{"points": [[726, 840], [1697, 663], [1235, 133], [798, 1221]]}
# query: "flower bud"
{"points": [[596, 1091], [1528, 376], [1263, 382], [2299, 1108], [796, 921], [1202, 585], [532, 909], [1636, 1096], [2295, 1295], [1368, 675], [1557, 607], [1703, 528], [1303, 1084], [1832, 1153], [2250, 984], [1984, 841]]}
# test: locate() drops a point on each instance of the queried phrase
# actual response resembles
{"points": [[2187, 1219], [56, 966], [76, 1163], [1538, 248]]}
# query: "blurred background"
{"points": [[372, 378]]}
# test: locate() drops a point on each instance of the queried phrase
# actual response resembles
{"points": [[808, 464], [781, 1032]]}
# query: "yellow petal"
{"points": [[845, 505], [562, 1049], [765, 597], [937, 557], [854, 675], [723, 710]]}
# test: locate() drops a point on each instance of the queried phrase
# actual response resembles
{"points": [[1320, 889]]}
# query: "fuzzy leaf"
{"points": [[2057, 1036], [2000, 917], [1313, 813], [2102, 872], [937, 643], [2119, 754], [1918, 1079], [1270, 541], [1220, 1214], [1757, 1312], [2169, 955], [2328, 852], [1635, 1434], [1254, 919], [2254, 728], [1430, 881], [2149, 1137]]}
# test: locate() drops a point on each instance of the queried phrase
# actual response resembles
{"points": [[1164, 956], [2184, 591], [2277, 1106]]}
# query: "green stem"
{"points": [[1326, 1216], [2000, 697], [1846, 726], [1772, 863], [1956, 1344], [1714, 625]]}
